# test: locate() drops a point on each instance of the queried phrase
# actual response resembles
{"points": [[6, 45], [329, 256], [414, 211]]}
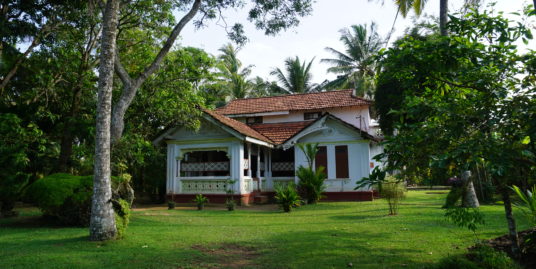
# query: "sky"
{"points": [[315, 32]]}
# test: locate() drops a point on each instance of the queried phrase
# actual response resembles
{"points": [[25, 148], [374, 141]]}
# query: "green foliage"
{"points": [[20, 142], [200, 200], [310, 150], [296, 77], [122, 216], [63, 196], [528, 205], [469, 218], [453, 197], [68, 198], [311, 184], [456, 262], [287, 197], [489, 258], [356, 66], [393, 191]]}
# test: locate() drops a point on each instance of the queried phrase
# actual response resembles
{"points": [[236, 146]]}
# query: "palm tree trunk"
{"points": [[443, 16], [102, 222]]}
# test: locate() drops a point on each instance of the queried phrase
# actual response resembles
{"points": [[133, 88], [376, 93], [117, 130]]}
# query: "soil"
{"points": [[503, 243], [227, 255]]}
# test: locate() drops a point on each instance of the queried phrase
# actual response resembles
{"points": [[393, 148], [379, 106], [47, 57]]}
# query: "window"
{"points": [[311, 115], [321, 159], [253, 120], [341, 161]]}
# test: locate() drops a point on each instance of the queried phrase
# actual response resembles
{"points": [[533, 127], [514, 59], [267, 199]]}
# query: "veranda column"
{"points": [[249, 160], [258, 172]]}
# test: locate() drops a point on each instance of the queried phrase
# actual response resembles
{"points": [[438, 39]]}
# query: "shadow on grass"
{"points": [[334, 249]]}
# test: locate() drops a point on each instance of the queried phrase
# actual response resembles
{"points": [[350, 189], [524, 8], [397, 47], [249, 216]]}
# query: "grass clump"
{"points": [[393, 191]]}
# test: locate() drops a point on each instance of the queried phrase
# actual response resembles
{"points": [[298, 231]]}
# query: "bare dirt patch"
{"points": [[227, 255]]}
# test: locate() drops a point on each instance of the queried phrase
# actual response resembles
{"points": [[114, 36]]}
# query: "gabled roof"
{"points": [[240, 127], [307, 101], [280, 132]]}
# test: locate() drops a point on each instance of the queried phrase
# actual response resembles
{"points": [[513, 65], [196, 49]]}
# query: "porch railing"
{"points": [[204, 186], [282, 166], [204, 166]]}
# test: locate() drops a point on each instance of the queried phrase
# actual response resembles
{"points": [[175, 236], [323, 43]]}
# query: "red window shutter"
{"points": [[321, 159], [341, 161]]}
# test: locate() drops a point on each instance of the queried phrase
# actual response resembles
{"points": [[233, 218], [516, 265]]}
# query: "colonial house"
{"points": [[250, 146]]}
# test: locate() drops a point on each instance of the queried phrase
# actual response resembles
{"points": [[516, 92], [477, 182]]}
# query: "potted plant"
{"points": [[170, 205], [200, 200], [231, 204], [287, 197]]}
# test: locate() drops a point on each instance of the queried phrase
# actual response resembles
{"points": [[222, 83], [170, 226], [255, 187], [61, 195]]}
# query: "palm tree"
{"points": [[296, 78], [355, 66], [404, 6], [232, 72]]}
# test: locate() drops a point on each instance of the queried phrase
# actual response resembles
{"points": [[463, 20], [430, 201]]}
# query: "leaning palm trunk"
{"points": [[102, 222], [469, 198]]}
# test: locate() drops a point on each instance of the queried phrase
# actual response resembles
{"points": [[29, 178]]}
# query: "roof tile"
{"points": [[308, 101]]}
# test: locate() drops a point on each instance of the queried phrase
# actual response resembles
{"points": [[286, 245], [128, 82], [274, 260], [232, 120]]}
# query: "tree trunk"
{"points": [[66, 146], [102, 223], [469, 198], [443, 16], [512, 230]]}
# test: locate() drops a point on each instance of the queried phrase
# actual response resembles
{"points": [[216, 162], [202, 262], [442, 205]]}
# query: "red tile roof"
{"points": [[307, 101], [237, 126], [280, 132]]}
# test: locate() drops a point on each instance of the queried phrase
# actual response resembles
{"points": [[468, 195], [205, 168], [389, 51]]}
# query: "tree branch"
{"points": [[131, 87]]}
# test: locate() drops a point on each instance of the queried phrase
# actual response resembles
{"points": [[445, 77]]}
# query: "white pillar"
{"points": [[249, 160], [258, 172]]}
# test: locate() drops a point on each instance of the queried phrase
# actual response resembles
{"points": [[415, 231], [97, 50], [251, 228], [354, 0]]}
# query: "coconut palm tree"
{"points": [[404, 6], [296, 77], [233, 73], [355, 66]]}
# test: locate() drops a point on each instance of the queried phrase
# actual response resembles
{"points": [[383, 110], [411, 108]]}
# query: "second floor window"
{"points": [[253, 120], [311, 115]]}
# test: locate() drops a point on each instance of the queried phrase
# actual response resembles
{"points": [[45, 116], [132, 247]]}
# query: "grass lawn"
{"points": [[326, 235]]}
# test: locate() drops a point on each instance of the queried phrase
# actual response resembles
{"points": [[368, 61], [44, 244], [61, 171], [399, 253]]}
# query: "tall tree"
{"points": [[268, 16], [459, 114], [233, 72], [296, 77], [404, 6], [355, 66]]}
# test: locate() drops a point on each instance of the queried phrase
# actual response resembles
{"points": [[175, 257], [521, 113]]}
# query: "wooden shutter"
{"points": [[321, 159], [341, 161]]}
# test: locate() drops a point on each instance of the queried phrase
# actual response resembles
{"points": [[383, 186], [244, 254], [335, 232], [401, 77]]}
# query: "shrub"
{"points": [[122, 216], [489, 258], [311, 183], [456, 262], [393, 191], [287, 197], [469, 218], [68, 198], [200, 200], [64, 196]]}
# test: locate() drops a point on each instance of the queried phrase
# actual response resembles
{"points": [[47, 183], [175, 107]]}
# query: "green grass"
{"points": [[326, 235]]}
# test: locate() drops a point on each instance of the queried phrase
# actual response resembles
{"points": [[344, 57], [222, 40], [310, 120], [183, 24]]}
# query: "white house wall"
{"points": [[358, 155], [357, 116]]}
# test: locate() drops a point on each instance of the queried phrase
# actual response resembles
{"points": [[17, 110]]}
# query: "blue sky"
{"points": [[314, 33]]}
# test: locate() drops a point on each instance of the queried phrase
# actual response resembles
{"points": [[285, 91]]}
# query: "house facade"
{"points": [[250, 147]]}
